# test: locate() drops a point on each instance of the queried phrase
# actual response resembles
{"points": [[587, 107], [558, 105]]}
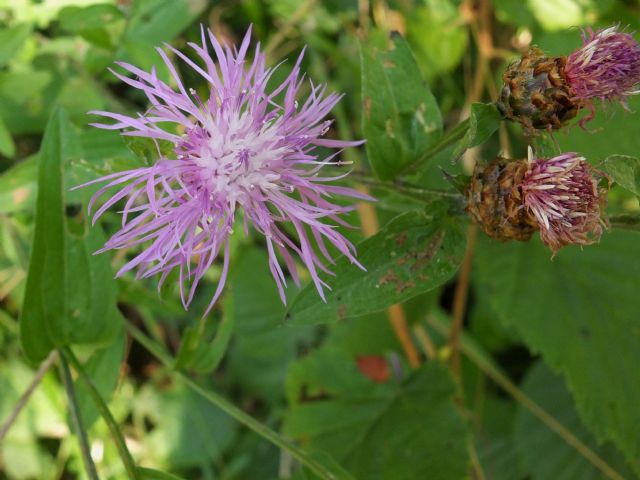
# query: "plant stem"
{"points": [[24, 398], [626, 222], [76, 419], [481, 360], [228, 407], [116, 434], [460, 296]]}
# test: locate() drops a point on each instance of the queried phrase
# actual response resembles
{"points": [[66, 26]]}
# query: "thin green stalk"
{"points": [[76, 419], [116, 434], [626, 222], [229, 408], [482, 361]]}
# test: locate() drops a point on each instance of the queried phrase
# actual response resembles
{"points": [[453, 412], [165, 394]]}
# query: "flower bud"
{"points": [[560, 197], [536, 92]]}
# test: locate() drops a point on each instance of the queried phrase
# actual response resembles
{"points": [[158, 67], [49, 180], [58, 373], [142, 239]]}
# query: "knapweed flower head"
{"points": [[606, 67], [545, 93], [564, 196], [561, 197], [238, 154]]}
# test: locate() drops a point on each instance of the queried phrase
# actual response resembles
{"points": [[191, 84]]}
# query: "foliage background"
{"points": [[559, 336]]}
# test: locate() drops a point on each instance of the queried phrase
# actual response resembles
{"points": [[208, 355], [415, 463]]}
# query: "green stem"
{"points": [[626, 222], [229, 408], [116, 434], [76, 419]]}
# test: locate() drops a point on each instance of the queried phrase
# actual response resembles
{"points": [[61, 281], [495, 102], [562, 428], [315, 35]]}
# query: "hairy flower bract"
{"points": [[243, 152]]}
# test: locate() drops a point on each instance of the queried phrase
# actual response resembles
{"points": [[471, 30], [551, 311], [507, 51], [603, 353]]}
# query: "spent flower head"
{"points": [[242, 153], [563, 195], [606, 67]]}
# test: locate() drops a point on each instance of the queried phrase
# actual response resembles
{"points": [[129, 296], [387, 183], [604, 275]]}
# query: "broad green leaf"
{"points": [[7, 147], [11, 40], [625, 171], [44, 307], [542, 452], [401, 430], [70, 293], [262, 349], [580, 311], [413, 254], [401, 117], [188, 432]]}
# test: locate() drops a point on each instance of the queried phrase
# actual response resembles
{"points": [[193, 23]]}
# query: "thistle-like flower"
{"points": [[545, 93], [564, 196], [606, 67], [237, 154], [561, 197]]}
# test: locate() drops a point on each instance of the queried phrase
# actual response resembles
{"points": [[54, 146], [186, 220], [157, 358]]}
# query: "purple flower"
{"points": [[606, 67], [562, 195], [241, 156]]}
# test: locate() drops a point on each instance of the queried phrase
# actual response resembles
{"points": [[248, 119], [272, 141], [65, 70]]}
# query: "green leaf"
{"points": [[90, 21], [542, 452], [70, 294], [44, 301], [483, 121], [401, 117], [11, 40], [401, 430], [7, 147], [580, 312], [625, 171], [188, 431], [262, 349], [204, 345], [151, 474], [411, 255], [18, 186]]}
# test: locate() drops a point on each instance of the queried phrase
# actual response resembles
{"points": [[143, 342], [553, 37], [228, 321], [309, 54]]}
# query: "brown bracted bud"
{"points": [[495, 200], [536, 92]]}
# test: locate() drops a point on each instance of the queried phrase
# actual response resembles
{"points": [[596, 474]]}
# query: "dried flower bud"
{"points": [[606, 67], [511, 199], [563, 195], [495, 200], [536, 92], [544, 93]]}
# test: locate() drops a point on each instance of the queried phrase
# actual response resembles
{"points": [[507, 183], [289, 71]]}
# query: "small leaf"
{"points": [[89, 22], [411, 255], [203, 347], [625, 171], [401, 117], [11, 40]]}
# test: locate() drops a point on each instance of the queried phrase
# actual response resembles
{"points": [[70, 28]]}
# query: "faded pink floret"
{"points": [[241, 154], [562, 194], [606, 67]]}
